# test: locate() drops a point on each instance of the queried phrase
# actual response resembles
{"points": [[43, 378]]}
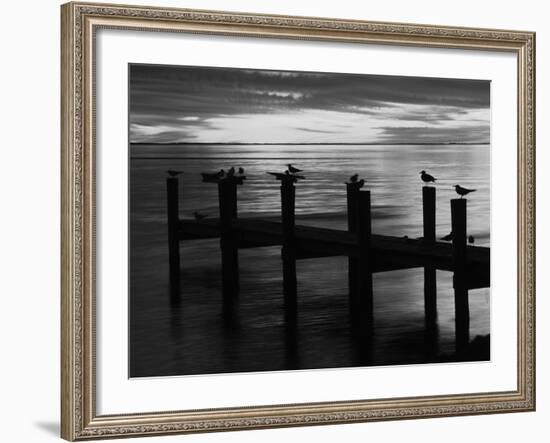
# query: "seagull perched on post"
{"points": [[173, 173], [241, 171], [292, 169], [463, 191], [427, 178], [355, 183], [286, 176]]}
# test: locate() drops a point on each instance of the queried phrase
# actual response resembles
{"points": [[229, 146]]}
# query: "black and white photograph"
{"points": [[288, 220], [285, 220]]}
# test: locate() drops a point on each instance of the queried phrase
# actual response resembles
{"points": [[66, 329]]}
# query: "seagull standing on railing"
{"points": [[355, 183], [463, 191], [427, 178], [241, 171], [292, 169]]}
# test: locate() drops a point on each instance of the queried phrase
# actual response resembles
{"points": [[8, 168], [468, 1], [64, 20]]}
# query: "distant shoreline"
{"points": [[309, 144]]}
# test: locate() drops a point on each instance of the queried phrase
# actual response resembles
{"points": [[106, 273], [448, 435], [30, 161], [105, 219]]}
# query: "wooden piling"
{"points": [[372, 253], [365, 264], [428, 212], [462, 310], [288, 252], [227, 197], [430, 282], [172, 196], [352, 193]]}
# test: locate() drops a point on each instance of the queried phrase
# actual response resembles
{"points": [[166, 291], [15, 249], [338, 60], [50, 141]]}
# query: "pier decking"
{"points": [[389, 253]]}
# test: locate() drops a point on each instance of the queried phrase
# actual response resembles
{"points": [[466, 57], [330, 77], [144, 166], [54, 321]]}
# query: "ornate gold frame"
{"points": [[79, 420]]}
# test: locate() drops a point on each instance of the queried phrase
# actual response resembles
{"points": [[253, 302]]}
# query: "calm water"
{"points": [[190, 337]]}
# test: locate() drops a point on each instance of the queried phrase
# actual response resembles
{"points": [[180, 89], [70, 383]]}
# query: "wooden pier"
{"points": [[367, 253]]}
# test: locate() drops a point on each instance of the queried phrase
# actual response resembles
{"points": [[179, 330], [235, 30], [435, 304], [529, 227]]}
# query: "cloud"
{"points": [[198, 101], [317, 131], [189, 119], [430, 134]]}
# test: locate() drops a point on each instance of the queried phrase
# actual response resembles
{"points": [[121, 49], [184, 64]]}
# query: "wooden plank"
{"points": [[288, 251], [352, 194], [269, 232], [462, 308], [172, 184], [428, 214], [391, 253], [430, 281], [478, 277], [364, 297], [227, 197]]}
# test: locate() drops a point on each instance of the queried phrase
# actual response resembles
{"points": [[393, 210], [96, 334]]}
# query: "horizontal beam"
{"points": [[391, 253]]}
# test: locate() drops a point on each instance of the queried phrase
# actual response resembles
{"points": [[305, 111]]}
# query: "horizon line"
{"points": [[309, 143]]}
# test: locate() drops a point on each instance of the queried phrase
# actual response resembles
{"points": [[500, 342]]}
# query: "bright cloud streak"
{"points": [[216, 105]]}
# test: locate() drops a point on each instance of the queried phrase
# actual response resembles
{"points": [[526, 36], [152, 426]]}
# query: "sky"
{"points": [[179, 104]]}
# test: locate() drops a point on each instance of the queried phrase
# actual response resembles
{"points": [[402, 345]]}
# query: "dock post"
{"points": [[172, 197], [430, 282], [288, 252], [462, 310], [227, 197], [365, 265], [352, 193]]}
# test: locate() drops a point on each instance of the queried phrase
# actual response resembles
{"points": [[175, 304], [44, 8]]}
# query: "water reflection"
{"points": [[198, 334]]}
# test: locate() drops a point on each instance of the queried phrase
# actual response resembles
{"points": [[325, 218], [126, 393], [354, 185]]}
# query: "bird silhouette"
{"points": [[354, 178], [231, 172], [241, 171], [220, 173], [173, 173], [471, 239], [198, 216], [448, 237], [361, 183], [286, 176], [463, 191], [427, 178], [292, 169]]}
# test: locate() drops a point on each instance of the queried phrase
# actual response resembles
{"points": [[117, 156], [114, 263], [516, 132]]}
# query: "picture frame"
{"points": [[80, 177]]}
